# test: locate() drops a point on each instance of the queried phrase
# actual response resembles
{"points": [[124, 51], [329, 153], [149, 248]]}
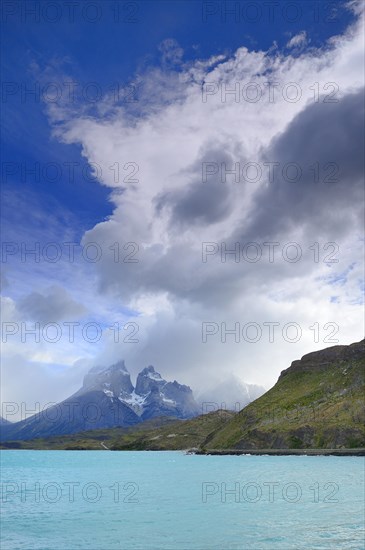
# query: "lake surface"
{"points": [[101, 500]]}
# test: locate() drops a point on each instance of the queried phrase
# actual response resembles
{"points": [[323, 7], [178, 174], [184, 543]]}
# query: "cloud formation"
{"points": [[297, 40], [55, 305], [260, 147]]}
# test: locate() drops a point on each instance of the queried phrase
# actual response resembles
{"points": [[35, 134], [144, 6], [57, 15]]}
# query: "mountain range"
{"points": [[316, 407], [317, 403], [108, 399]]}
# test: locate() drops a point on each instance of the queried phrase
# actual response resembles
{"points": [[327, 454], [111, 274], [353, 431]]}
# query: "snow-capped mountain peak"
{"points": [[147, 379], [114, 380], [153, 395]]}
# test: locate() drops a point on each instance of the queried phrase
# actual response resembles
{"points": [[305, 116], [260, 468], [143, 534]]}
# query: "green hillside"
{"points": [[156, 434], [317, 403]]}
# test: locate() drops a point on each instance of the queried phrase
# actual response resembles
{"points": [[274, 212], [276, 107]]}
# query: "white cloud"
{"points": [[298, 40]]}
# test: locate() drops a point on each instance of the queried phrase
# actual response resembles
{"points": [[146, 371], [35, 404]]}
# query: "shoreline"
{"points": [[220, 452], [283, 452]]}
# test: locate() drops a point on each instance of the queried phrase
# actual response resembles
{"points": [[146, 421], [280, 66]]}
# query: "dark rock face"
{"points": [[297, 439], [115, 378], [163, 398], [304, 437], [325, 358], [148, 379], [183, 396], [108, 399]]}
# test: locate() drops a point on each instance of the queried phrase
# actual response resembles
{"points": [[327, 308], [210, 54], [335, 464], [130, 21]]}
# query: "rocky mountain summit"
{"points": [[153, 396]]}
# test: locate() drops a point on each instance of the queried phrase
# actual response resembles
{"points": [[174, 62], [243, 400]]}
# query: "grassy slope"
{"points": [[309, 409]]}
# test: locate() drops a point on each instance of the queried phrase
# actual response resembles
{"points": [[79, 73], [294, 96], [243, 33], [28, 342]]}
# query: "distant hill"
{"points": [[159, 434], [318, 402], [4, 422]]}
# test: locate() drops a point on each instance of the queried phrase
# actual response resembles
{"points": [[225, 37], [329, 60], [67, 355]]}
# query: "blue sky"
{"points": [[83, 47], [167, 52]]}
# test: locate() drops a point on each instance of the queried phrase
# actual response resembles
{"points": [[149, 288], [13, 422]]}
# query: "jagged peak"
{"points": [[120, 365], [114, 379], [150, 372]]}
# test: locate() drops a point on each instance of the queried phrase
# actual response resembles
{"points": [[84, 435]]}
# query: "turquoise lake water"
{"points": [[95, 500]]}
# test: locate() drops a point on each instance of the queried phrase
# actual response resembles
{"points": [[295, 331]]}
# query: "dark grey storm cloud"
{"points": [[325, 137], [54, 306], [206, 199]]}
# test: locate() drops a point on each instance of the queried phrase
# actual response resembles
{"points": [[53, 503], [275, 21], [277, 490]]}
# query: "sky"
{"points": [[182, 186]]}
